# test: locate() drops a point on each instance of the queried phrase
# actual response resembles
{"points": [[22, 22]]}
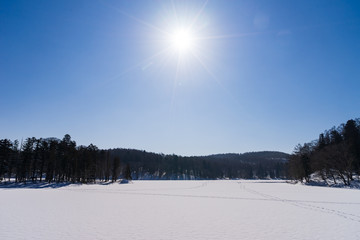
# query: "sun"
{"points": [[182, 40]]}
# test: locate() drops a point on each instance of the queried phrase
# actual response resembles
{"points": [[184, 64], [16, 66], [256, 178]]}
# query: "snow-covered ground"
{"points": [[180, 210]]}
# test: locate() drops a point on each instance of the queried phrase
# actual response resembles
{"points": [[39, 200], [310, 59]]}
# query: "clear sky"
{"points": [[254, 75]]}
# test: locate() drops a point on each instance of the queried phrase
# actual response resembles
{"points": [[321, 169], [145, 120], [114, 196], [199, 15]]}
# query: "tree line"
{"points": [[55, 160], [254, 165], [334, 156]]}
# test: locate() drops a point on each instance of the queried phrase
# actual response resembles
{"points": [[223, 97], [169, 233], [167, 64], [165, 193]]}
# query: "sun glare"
{"points": [[182, 40]]}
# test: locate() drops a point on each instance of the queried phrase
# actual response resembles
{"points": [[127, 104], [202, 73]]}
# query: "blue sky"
{"points": [[261, 75]]}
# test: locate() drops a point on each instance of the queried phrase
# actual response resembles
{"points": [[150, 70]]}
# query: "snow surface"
{"points": [[222, 209]]}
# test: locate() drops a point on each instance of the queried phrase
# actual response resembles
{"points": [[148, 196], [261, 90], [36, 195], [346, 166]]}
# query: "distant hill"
{"points": [[253, 157], [146, 165]]}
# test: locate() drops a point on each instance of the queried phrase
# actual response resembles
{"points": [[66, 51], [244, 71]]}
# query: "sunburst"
{"points": [[183, 40]]}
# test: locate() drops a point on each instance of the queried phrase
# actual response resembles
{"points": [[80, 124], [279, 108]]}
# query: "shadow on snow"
{"points": [[33, 185]]}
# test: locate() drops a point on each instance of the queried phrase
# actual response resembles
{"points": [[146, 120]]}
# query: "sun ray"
{"points": [[198, 14], [229, 93], [105, 82], [144, 62], [205, 67], [139, 20], [175, 82], [175, 11], [228, 36]]}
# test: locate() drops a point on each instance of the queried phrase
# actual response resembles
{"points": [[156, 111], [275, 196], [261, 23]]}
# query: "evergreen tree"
{"points": [[115, 170], [127, 174], [5, 156]]}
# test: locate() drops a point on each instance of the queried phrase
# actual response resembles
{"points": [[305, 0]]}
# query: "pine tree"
{"points": [[115, 170], [127, 173]]}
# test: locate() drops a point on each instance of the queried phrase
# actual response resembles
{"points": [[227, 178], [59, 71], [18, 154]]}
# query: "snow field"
{"points": [[181, 210]]}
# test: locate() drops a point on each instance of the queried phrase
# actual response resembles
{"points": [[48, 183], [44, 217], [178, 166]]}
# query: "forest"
{"points": [[334, 156], [55, 160]]}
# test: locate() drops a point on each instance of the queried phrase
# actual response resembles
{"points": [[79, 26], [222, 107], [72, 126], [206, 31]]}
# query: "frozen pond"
{"points": [[229, 209]]}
